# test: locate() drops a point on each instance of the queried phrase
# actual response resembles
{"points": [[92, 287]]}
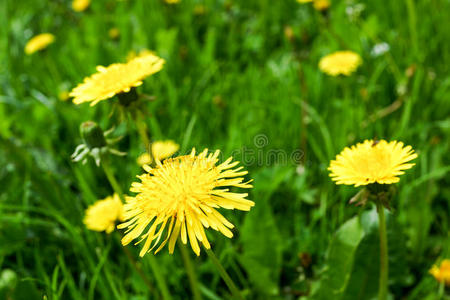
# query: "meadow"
{"points": [[242, 77]]}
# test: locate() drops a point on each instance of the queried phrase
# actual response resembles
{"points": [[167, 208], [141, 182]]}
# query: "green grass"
{"points": [[231, 75]]}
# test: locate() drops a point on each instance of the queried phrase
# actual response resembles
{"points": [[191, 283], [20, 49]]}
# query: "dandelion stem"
{"points": [[441, 290], [143, 132], [412, 23], [138, 269], [223, 273], [111, 178], [159, 278], [304, 114], [190, 272], [384, 269]]}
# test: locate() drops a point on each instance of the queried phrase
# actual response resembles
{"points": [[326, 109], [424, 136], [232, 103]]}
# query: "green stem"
{"points": [[303, 116], [143, 132], [138, 269], [159, 277], [441, 290], [384, 269], [223, 273], [343, 81], [111, 178], [342, 43], [118, 190], [412, 21], [190, 272], [50, 64]]}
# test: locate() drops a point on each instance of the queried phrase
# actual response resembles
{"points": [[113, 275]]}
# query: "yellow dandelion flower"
{"points": [[164, 149], [39, 42], [160, 150], [80, 5], [442, 273], [172, 1], [340, 62], [371, 162], [321, 5], [113, 33], [103, 214], [182, 195], [115, 79], [144, 159]]}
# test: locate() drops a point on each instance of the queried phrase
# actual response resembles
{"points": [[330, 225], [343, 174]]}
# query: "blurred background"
{"points": [[243, 77]]}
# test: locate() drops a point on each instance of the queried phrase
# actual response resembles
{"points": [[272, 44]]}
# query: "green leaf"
{"points": [[340, 259], [363, 283]]}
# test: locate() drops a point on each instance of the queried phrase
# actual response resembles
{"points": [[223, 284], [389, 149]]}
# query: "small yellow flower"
{"points": [[160, 150], [113, 33], [39, 42], [182, 195], [80, 5], [115, 79], [304, 1], [321, 5], [172, 1], [103, 214], [144, 159], [340, 62], [442, 273], [371, 162]]}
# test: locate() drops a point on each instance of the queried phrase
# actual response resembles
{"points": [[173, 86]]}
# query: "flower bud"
{"points": [[92, 135]]}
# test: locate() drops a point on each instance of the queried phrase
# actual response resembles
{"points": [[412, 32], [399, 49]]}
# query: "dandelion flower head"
{"points": [[160, 151], [371, 162], [116, 78], [103, 214], [340, 62], [442, 272], [80, 5], [181, 196], [321, 5], [39, 42]]}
